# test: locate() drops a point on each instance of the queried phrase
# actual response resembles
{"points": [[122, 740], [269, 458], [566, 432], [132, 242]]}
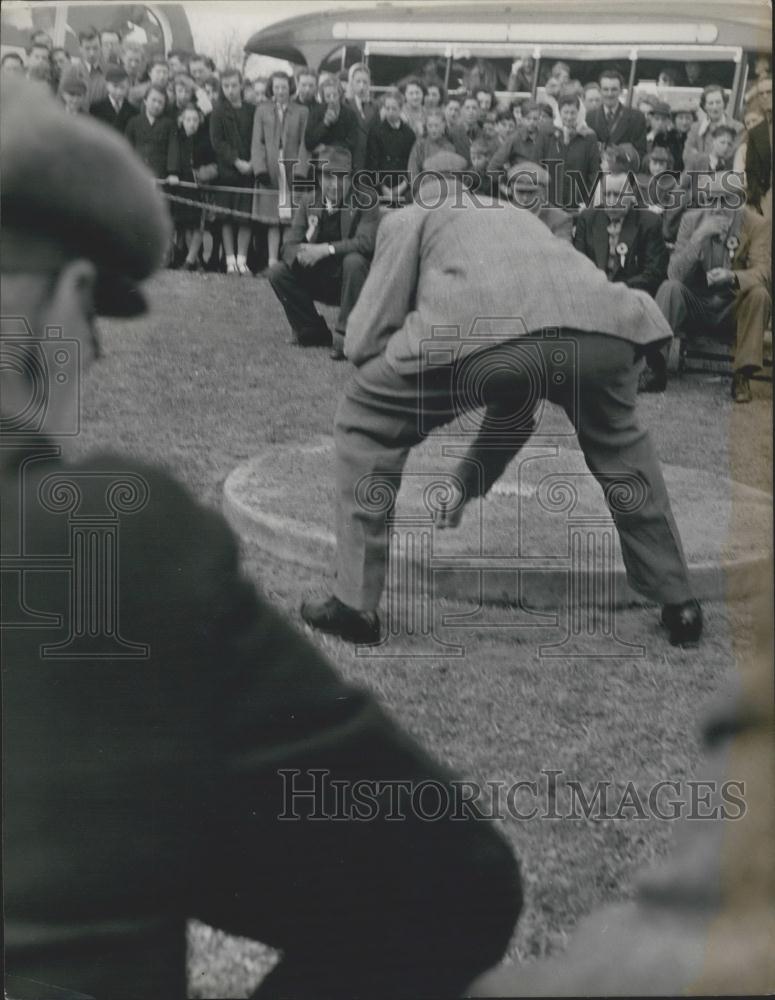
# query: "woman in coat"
{"points": [[191, 159], [278, 139]]}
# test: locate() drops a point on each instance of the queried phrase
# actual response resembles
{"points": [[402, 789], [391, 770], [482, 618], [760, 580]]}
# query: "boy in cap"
{"points": [[141, 791], [326, 255], [527, 186], [115, 110], [73, 94], [662, 133]]}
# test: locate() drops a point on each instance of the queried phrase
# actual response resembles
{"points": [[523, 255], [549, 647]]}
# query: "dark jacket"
{"points": [[144, 768], [151, 141], [190, 153], [645, 260], [344, 132], [629, 125], [569, 166], [231, 133], [672, 140], [365, 121], [387, 153], [105, 112], [758, 163], [358, 229]]}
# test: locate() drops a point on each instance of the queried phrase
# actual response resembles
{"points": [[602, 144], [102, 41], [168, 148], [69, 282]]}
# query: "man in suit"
{"points": [[326, 255], [451, 266], [622, 239], [115, 110], [366, 110], [572, 158], [166, 758], [612, 122], [527, 186], [90, 69], [718, 279]]}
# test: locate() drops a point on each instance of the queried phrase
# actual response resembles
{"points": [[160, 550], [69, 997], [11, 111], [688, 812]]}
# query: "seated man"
{"points": [[326, 255], [718, 279], [622, 239], [528, 187]]}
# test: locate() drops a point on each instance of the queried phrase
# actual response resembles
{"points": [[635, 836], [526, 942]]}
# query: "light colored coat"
{"points": [[458, 265], [268, 139]]}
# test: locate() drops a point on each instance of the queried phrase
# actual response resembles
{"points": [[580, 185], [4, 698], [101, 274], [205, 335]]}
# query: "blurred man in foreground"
{"points": [[159, 716]]}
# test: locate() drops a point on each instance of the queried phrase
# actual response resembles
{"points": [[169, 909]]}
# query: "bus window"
{"points": [[341, 59], [390, 70], [584, 70], [684, 73]]}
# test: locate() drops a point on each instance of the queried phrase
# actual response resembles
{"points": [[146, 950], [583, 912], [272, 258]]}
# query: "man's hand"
{"points": [[712, 225], [331, 115], [243, 166], [173, 179], [451, 512], [718, 277], [310, 254]]}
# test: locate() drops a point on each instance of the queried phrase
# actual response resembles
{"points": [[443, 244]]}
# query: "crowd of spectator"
{"points": [[235, 154]]}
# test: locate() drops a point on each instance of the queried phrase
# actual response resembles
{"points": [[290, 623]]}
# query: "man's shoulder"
{"points": [[754, 223]]}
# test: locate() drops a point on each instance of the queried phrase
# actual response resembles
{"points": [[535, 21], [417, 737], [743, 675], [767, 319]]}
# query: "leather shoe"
{"points": [[336, 354], [331, 615], [683, 623], [741, 388]]}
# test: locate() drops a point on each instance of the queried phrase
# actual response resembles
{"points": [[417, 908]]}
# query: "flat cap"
{"points": [[528, 176], [72, 187], [116, 74], [445, 162], [335, 160], [661, 108]]}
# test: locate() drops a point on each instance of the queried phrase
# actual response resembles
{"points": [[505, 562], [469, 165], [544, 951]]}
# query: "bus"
{"points": [[160, 27], [673, 49]]}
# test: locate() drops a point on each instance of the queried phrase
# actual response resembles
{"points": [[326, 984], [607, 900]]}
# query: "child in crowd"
{"points": [[388, 147], [660, 191], [435, 140], [191, 159], [149, 132], [489, 126], [183, 89], [482, 150], [506, 124], [231, 134], [73, 94]]}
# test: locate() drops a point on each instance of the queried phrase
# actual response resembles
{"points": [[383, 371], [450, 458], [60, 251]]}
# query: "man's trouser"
{"points": [[336, 281], [382, 415], [741, 317]]}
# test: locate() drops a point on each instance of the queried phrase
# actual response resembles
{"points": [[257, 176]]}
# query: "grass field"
{"points": [[208, 377]]}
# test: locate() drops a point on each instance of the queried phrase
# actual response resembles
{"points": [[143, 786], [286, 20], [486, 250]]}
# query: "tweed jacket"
{"points": [[358, 228], [750, 259], [644, 263], [141, 790], [493, 272], [629, 125], [270, 142]]}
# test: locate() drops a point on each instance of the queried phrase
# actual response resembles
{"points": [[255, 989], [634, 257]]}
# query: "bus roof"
{"points": [[742, 23]]}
